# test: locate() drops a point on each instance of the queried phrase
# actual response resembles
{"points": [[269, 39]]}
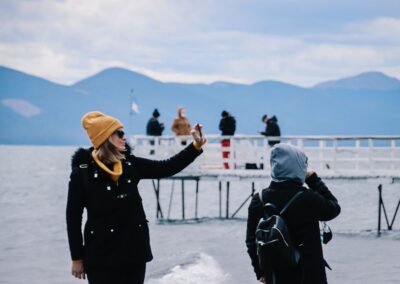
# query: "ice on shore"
{"points": [[205, 269]]}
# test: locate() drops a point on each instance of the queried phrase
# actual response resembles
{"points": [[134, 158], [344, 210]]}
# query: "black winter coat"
{"points": [[116, 233], [272, 129], [154, 127], [227, 125], [315, 204]]}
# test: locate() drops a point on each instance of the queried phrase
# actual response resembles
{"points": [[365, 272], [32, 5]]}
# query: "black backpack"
{"points": [[274, 245]]}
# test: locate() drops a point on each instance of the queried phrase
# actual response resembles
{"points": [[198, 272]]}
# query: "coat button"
{"points": [[112, 230], [140, 225], [108, 187], [128, 181], [128, 163], [91, 232]]}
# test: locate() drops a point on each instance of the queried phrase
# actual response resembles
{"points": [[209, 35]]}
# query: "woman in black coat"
{"points": [[115, 245], [316, 203]]}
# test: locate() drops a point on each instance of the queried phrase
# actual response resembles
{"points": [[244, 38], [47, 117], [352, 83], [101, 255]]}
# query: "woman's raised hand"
{"points": [[197, 133]]}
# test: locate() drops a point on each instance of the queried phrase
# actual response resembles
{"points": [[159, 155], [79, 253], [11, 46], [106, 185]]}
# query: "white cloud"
{"points": [[65, 41], [381, 30], [39, 60]]}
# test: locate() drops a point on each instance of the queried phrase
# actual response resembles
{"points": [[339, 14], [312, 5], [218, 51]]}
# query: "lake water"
{"points": [[34, 247]]}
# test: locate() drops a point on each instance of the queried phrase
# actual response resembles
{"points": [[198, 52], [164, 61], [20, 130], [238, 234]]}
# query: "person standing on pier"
{"points": [[227, 125], [316, 203], [271, 129], [154, 127], [115, 245], [181, 125]]}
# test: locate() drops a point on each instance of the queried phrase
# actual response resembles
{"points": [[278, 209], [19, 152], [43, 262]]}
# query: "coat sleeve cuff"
{"points": [[197, 146], [312, 179]]}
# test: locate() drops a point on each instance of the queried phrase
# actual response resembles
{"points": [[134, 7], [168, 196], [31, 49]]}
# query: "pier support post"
{"points": [[227, 199], [157, 192], [197, 198], [379, 209], [244, 202], [382, 206], [220, 199], [183, 199]]}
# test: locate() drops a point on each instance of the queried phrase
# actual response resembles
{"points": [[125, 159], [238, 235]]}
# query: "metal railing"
{"points": [[332, 156], [247, 157]]}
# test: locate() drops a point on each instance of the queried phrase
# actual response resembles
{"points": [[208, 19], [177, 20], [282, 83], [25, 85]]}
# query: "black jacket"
{"points": [[227, 125], [116, 231], [315, 204], [272, 129], [154, 127]]}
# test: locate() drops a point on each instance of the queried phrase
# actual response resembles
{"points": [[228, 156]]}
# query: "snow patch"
{"points": [[204, 270], [21, 107], [82, 92]]}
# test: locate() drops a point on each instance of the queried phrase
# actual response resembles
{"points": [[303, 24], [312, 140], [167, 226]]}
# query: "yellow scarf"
{"points": [[117, 167]]}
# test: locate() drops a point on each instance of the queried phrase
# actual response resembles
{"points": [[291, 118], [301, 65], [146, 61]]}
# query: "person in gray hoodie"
{"points": [[289, 171]]}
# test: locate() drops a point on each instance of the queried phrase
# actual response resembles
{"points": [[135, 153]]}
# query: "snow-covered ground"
{"points": [[34, 248]]}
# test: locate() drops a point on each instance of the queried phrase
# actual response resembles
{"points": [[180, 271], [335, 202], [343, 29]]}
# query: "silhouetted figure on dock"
{"points": [[227, 125], [271, 128], [154, 126]]}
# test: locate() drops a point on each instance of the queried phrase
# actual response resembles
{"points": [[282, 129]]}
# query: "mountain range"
{"points": [[36, 111]]}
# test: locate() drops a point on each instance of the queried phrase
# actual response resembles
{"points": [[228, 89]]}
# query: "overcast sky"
{"points": [[296, 41]]}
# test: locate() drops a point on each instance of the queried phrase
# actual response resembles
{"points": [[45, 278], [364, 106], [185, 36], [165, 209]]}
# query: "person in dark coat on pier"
{"points": [[271, 128], [154, 127], [227, 125], [115, 244], [316, 203]]}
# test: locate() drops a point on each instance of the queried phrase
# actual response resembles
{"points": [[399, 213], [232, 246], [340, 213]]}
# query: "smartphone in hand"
{"points": [[199, 129]]}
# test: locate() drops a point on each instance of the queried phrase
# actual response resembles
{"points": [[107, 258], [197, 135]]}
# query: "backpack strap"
{"points": [[260, 191], [265, 214], [268, 208], [290, 202]]}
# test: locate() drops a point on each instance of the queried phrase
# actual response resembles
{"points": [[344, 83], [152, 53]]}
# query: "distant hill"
{"points": [[36, 111], [369, 81]]}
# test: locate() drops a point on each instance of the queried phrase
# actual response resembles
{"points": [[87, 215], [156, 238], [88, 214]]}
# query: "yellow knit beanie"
{"points": [[99, 127]]}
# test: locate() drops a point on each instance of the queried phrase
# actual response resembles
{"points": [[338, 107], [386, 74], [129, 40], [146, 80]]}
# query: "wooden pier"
{"points": [[333, 157]]}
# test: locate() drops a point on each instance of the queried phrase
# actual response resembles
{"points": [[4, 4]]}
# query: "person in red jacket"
{"points": [[115, 245]]}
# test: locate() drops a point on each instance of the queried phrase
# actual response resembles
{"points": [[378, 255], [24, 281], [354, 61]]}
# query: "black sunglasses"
{"points": [[120, 133]]}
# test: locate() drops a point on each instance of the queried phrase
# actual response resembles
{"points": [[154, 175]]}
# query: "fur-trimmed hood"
{"points": [[84, 155]]}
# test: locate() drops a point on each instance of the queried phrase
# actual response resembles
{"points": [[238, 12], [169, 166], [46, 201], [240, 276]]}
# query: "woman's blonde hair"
{"points": [[108, 153]]}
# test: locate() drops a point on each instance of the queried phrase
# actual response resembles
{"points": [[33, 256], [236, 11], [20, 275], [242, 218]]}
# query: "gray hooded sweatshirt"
{"points": [[288, 163]]}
